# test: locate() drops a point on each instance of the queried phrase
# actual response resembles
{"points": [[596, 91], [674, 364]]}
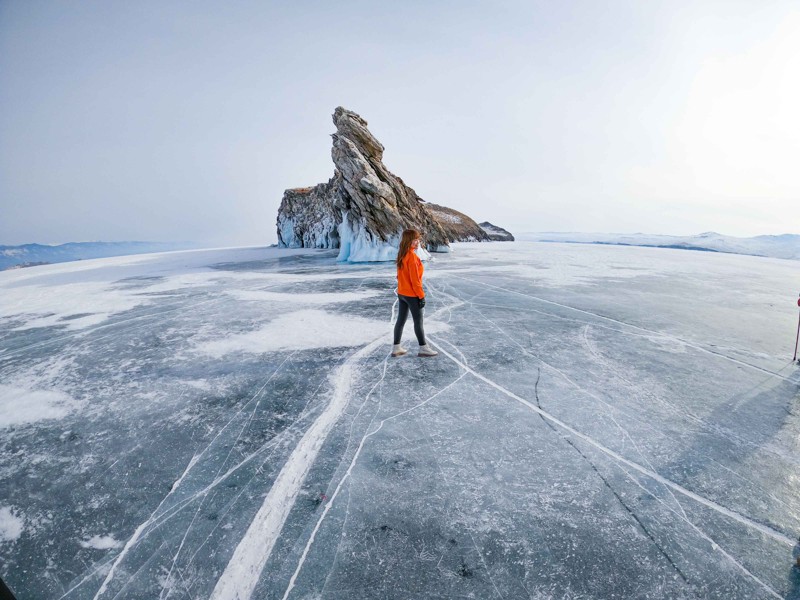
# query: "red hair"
{"points": [[409, 235]]}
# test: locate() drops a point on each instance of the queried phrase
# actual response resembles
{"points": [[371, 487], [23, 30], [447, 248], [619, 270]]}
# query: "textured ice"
{"points": [[602, 422], [786, 245]]}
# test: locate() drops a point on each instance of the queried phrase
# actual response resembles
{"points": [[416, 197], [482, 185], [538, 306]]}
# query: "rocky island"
{"points": [[364, 207], [495, 233]]}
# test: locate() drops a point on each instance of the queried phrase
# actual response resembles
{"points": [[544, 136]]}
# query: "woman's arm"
{"points": [[416, 276]]}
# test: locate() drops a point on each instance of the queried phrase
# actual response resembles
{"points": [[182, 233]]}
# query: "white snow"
{"points": [[11, 524], [101, 542], [157, 264], [21, 406], [443, 216], [300, 330], [297, 299], [87, 292], [38, 306], [305, 330]]}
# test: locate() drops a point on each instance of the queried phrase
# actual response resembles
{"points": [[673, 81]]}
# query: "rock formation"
{"points": [[457, 226], [364, 208], [495, 233], [307, 217]]}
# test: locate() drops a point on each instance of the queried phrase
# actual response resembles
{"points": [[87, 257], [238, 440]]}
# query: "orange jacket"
{"points": [[409, 276]]}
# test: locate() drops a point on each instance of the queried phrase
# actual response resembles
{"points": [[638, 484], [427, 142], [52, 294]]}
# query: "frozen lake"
{"points": [[602, 422]]}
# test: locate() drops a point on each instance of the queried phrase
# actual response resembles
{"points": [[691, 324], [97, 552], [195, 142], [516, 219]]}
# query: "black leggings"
{"points": [[407, 303]]}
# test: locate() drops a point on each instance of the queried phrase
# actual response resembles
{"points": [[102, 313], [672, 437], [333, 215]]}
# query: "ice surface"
{"points": [[602, 422], [776, 246]]}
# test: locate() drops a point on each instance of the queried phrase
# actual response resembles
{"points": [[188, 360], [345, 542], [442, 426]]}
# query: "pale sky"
{"points": [[167, 121]]}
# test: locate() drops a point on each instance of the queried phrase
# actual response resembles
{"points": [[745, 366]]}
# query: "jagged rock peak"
{"points": [[374, 202], [354, 127], [364, 207]]}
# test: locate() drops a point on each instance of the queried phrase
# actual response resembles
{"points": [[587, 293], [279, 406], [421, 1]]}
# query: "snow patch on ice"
{"points": [[74, 305], [308, 329], [77, 295], [11, 524], [101, 542], [323, 298], [301, 330], [20, 406]]}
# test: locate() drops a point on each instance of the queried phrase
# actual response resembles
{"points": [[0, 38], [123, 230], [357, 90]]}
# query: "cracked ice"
{"points": [[601, 422]]}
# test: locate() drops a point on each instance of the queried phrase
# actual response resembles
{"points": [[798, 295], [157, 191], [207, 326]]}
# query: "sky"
{"points": [[186, 121]]}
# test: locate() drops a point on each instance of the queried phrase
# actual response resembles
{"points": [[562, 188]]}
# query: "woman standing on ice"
{"points": [[410, 295]]}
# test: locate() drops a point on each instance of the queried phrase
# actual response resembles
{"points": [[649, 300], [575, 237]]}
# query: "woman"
{"points": [[410, 294]]}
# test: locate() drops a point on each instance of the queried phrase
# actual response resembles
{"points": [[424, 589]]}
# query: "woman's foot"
{"points": [[398, 350], [426, 350]]}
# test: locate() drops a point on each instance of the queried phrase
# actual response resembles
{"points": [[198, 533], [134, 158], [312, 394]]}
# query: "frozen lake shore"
{"points": [[602, 422]]}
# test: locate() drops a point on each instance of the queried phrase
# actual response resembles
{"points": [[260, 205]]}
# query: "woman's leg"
{"points": [[402, 315], [416, 314]]}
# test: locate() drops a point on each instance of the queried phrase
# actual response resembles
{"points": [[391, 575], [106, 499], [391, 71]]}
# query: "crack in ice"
{"points": [[650, 331], [243, 571], [327, 508], [136, 534], [764, 529]]}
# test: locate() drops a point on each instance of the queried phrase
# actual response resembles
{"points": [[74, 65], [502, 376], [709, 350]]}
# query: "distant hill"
{"points": [[29, 255], [776, 246]]}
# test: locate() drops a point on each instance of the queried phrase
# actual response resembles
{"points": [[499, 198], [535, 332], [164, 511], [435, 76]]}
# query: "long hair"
{"points": [[409, 235]]}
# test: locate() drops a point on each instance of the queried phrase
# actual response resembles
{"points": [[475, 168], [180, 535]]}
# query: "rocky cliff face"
{"points": [[308, 219], [364, 207]]}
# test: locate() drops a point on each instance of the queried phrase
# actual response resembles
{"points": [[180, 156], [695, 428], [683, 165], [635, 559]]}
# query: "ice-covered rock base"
{"points": [[359, 245]]}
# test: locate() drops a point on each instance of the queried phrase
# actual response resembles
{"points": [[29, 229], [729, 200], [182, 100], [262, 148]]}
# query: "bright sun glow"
{"points": [[735, 145]]}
